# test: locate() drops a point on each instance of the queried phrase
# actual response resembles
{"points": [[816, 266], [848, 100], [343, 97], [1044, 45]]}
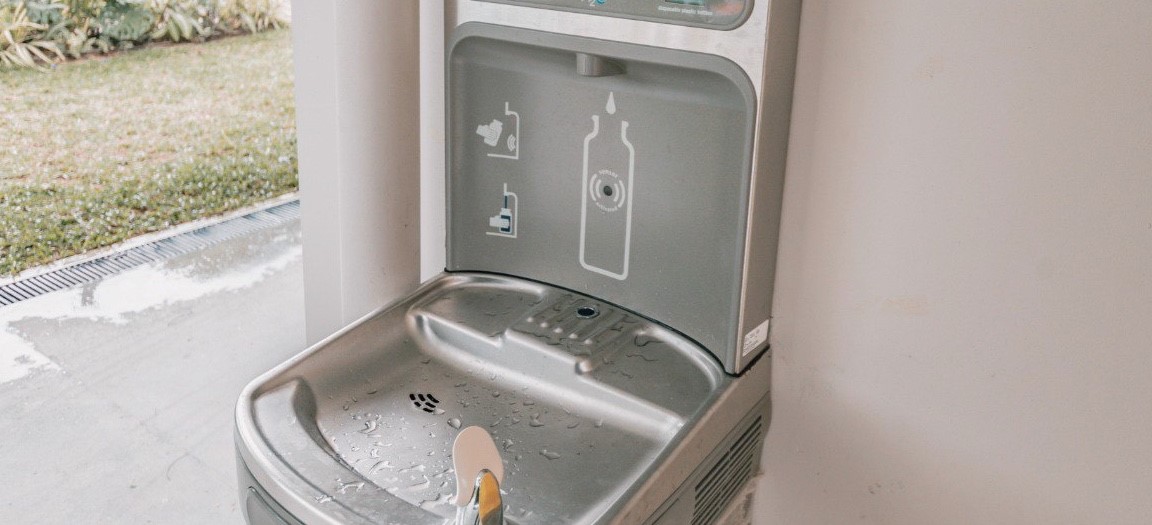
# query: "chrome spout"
{"points": [[486, 507]]}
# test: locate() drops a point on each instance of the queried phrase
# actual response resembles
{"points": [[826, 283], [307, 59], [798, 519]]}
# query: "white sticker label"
{"points": [[756, 337]]}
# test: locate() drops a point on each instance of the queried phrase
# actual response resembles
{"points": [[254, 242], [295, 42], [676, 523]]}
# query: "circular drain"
{"points": [[425, 402], [587, 312]]}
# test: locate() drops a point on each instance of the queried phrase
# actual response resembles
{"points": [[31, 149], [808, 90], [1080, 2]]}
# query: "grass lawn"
{"points": [[106, 148]]}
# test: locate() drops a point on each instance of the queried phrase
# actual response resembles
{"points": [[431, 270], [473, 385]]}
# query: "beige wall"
{"points": [[964, 301]]}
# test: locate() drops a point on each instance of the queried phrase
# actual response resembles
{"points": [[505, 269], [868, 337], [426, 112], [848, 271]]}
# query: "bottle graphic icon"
{"points": [[606, 196]]}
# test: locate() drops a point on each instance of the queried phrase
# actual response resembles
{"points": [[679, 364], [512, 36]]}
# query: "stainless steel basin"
{"points": [[585, 399]]}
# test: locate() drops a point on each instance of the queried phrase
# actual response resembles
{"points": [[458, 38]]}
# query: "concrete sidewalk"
{"points": [[116, 397]]}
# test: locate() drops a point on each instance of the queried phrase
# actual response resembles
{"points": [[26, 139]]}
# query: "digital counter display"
{"points": [[712, 14]]}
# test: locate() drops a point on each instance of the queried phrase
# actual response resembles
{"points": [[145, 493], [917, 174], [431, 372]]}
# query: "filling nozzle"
{"points": [[589, 65]]}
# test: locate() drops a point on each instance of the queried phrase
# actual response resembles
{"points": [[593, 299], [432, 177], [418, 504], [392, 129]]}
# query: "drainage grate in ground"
{"points": [[104, 266]]}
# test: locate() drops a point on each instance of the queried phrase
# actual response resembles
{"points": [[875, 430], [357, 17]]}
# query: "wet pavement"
{"points": [[116, 397]]}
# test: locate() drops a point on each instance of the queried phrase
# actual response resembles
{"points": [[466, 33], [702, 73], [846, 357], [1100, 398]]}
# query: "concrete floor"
{"points": [[116, 398]]}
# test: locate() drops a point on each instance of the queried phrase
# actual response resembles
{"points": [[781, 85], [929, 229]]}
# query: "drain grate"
{"points": [[111, 264], [425, 402]]}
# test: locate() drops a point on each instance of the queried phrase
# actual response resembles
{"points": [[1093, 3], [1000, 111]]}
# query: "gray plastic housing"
{"points": [[712, 14], [632, 187]]}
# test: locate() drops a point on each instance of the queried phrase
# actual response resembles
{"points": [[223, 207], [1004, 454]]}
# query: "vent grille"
{"points": [[425, 402], [111, 264], [721, 484]]}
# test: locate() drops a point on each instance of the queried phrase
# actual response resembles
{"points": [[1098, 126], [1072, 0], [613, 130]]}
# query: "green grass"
{"points": [[103, 149]]}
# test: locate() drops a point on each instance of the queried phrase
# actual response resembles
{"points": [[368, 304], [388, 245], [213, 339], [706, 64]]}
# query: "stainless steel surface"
{"points": [[357, 429]]}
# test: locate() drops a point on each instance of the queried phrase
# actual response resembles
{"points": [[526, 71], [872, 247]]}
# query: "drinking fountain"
{"points": [[614, 176]]}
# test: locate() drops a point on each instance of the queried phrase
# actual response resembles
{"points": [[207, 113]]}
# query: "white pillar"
{"points": [[358, 132], [433, 33]]}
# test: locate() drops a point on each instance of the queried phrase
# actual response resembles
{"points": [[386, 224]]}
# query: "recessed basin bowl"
{"points": [[582, 398]]}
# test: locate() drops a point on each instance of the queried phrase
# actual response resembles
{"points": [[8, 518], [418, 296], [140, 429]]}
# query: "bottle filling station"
{"points": [[596, 350]]}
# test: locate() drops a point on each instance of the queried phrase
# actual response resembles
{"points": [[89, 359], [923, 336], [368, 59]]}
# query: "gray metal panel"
{"points": [[773, 124], [743, 45], [764, 46], [632, 187], [720, 476]]}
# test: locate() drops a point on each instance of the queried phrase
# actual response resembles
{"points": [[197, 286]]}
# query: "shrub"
{"points": [[183, 20], [252, 16], [126, 20], [21, 42], [35, 33]]}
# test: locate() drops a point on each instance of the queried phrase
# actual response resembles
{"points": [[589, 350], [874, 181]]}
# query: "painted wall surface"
{"points": [[358, 131], [964, 295]]}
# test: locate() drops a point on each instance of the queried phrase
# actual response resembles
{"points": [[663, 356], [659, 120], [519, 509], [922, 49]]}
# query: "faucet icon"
{"points": [[479, 470]]}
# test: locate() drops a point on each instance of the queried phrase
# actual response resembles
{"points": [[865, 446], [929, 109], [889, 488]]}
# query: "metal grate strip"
{"points": [[724, 479], [111, 264]]}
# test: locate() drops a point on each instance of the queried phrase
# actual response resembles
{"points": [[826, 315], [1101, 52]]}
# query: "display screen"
{"points": [[713, 14]]}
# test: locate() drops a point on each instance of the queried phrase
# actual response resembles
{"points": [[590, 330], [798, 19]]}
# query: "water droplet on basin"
{"points": [[495, 393], [380, 466], [323, 498], [454, 423], [550, 455], [599, 423], [508, 444], [535, 421], [414, 468], [529, 402], [573, 425], [343, 487], [514, 421]]}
